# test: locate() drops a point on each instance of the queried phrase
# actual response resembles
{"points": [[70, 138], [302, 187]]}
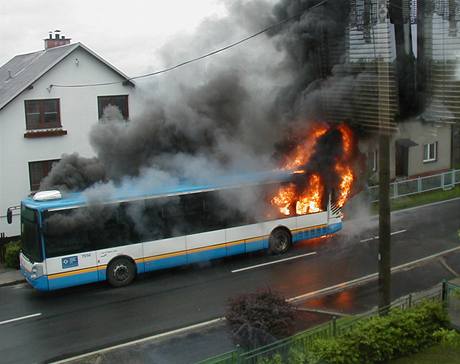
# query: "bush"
{"points": [[380, 339], [12, 250], [258, 319]]}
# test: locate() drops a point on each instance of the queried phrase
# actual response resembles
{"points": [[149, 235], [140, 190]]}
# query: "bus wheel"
{"points": [[279, 241], [121, 272]]}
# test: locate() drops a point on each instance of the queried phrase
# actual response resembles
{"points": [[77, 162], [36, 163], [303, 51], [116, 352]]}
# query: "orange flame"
{"points": [[289, 201], [303, 151], [310, 200], [346, 182], [284, 199]]}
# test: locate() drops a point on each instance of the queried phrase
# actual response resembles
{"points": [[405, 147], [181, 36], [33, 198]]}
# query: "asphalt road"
{"points": [[82, 319]]}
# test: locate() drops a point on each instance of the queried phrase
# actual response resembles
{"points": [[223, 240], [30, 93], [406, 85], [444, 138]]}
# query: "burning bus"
{"points": [[69, 240]]}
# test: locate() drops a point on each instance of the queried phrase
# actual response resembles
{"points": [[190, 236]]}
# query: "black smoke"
{"points": [[229, 113]]}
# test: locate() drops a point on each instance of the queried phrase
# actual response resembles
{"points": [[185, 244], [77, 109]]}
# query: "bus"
{"points": [[69, 240]]}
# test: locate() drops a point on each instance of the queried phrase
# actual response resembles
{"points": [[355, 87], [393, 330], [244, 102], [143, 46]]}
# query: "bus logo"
{"points": [[70, 262]]}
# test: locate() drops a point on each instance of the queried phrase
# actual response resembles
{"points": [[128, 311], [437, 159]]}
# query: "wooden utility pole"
{"points": [[384, 222]]}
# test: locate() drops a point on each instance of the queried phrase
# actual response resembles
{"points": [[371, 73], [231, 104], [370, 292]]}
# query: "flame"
{"points": [[298, 199], [346, 182], [343, 168], [302, 152], [310, 200], [285, 198]]}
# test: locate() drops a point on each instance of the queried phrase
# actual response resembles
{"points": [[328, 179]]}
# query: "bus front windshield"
{"points": [[30, 237]]}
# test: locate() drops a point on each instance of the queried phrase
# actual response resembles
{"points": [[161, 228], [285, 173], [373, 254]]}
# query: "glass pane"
{"points": [[32, 106], [50, 106], [51, 118]]}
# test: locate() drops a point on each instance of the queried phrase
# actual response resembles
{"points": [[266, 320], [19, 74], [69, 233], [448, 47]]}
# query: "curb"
{"points": [[12, 283]]}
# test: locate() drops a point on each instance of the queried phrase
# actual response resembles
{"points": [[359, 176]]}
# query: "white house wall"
{"points": [[79, 112]]}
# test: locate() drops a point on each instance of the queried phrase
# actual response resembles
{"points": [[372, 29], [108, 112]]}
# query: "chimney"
{"points": [[56, 41]]}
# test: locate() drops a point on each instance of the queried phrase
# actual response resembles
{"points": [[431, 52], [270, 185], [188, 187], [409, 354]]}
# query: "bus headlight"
{"points": [[37, 271]]}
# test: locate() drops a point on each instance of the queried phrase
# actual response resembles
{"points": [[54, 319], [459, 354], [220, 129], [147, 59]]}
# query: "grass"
{"points": [[421, 199], [442, 354]]}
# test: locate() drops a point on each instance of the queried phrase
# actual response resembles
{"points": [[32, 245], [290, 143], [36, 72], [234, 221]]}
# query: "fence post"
{"points": [[395, 189], [334, 326], [444, 291], [410, 300], [419, 184], [453, 177], [442, 180], [238, 351]]}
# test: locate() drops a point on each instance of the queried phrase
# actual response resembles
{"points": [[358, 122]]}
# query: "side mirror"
{"points": [[9, 216]]}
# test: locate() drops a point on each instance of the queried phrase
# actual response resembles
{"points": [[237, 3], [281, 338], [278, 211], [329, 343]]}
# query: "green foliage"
{"points": [[446, 337], [12, 250], [258, 319], [380, 339]]}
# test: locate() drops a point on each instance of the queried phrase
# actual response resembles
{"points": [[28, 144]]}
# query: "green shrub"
{"points": [[380, 339], [448, 338], [12, 250]]}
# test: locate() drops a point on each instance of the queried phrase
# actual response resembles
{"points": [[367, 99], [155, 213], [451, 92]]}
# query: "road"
{"points": [[81, 319]]}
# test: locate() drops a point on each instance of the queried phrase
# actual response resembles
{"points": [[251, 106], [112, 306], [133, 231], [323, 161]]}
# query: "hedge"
{"points": [[12, 250], [383, 338]]}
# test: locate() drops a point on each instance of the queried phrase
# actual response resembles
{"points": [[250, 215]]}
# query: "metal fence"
{"points": [[452, 300], [413, 186], [287, 350]]}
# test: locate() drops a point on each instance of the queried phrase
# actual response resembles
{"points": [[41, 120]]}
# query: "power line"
{"points": [[168, 69]]}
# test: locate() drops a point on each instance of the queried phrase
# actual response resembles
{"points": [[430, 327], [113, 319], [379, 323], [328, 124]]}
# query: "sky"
{"points": [[127, 34]]}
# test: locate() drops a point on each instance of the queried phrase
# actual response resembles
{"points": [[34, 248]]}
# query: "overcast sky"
{"points": [[126, 33]]}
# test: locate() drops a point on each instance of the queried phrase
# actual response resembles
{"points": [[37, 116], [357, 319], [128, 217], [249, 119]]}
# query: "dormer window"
{"points": [[42, 114]]}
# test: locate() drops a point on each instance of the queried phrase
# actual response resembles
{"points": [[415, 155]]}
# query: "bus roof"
{"points": [[122, 194]]}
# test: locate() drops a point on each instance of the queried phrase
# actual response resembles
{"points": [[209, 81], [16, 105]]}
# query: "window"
{"points": [[38, 171], [373, 160], [42, 114], [430, 152], [120, 101], [87, 228]]}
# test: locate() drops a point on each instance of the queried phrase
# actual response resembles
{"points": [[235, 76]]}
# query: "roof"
{"points": [[123, 194], [23, 70]]}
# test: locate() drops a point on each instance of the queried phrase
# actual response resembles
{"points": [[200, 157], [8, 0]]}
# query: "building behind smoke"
{"points": [[39, 122], [401, 74]]}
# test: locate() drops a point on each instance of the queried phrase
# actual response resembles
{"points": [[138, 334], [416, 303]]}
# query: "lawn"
{"points": [[421, 199], [442, 354]]}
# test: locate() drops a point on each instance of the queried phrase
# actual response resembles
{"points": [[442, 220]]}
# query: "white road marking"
{"points": [[19, 318], [367, 278], [274, 262], [376, 237], [153, 337]]}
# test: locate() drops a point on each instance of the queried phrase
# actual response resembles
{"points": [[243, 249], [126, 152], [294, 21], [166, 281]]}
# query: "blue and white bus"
{"points": [[68, 240]]}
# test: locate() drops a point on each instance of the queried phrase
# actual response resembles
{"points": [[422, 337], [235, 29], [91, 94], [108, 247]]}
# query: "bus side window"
{"points": [[151, 221], [66, 232], [114, 228], [193, 210]]}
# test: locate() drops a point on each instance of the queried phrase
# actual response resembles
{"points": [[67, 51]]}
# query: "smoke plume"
{"points": [[226, 114]]}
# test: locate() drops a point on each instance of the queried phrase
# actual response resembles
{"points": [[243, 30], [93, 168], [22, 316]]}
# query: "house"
{"points": [[417, 148], [42, 116]]}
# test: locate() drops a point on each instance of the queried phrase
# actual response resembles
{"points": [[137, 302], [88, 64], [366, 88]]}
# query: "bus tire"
{"points": [[121, 272], [280, 241]]}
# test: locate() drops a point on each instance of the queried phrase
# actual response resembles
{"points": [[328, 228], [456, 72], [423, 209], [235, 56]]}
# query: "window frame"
{"points": [[49, 164], [375, 160], [100, 110], [427, 149], [41, 112]]}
